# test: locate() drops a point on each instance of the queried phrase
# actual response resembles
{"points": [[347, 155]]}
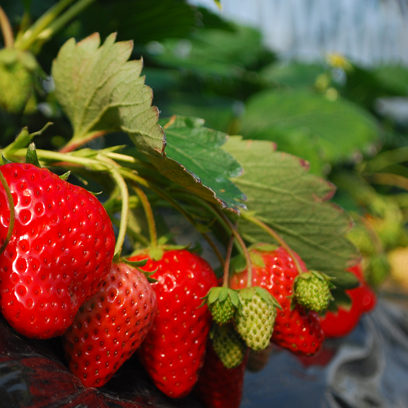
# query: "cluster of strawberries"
{"points": [[59, 277]]}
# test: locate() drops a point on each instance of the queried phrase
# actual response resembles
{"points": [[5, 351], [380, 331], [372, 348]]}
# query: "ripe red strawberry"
{"points": [[110, 326], [174, 349], [218, 386], [342, 322], [297, 330], [59, 253]]}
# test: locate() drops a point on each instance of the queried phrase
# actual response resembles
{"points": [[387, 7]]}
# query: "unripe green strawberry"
{"points": [[229, 346], [222, 303], [16, 79], [312, 291], [255, 321]]}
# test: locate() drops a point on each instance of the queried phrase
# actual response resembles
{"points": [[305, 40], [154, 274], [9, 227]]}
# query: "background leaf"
{"points": [[293, 74], [214, 51], [194, 159], [395, 77], [294, 203], [141, 20], [100, 91], [308, 125]]}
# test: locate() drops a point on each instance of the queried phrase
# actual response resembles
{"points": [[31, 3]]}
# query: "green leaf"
{"points": [[214, 51], [308, 125], [293, 203], [26, 4], [145, 21], [218, 112], [292, 74], [394, 77], [101, 91], [194, 159]]}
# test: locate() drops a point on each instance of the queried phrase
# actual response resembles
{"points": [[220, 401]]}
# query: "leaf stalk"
{"points": [[149, 215], [31, 35], [227, 261]]}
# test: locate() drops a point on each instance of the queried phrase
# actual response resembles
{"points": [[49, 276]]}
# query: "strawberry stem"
{"points": [[41, 24], [276, 237], [229, 227], [149, 215], [124, 212], [78, 141], [227, 261], [61, 21], [49, 23], [12, 212], [243, 247], [132, 233], [113, 169], [214, 211], [6, 29], [140, 180]]}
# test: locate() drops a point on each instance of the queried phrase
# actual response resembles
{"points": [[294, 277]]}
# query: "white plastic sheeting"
{"points": [[369, 32]]}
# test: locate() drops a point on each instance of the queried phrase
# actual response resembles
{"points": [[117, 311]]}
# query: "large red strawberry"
{"points": [[218, 386], [174, 349], [342, 322], [59, 253], [110, 326], [297, 330]]}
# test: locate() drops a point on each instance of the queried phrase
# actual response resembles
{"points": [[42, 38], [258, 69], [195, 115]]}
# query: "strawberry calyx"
{"points": [[31, 155], [249, 293], [222, 302], [312, 290], [156, 252], [137, 265]]}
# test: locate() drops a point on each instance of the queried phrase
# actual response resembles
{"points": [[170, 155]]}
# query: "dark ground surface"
{"points": [[369, 368]]}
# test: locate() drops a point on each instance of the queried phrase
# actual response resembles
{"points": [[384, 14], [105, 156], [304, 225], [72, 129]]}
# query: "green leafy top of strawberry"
{"points": [[312, 291], [222, 303]]}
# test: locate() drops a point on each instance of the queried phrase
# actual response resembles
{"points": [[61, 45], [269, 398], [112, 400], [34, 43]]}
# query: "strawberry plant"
{"points": [[110, 275]]}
